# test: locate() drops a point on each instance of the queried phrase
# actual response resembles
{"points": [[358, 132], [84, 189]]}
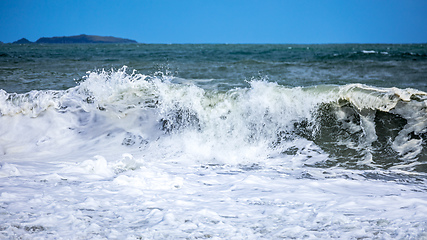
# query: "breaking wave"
{"points": [[351, 126]]}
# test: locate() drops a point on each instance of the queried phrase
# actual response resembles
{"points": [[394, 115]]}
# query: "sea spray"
{"points": [[357, 126]]}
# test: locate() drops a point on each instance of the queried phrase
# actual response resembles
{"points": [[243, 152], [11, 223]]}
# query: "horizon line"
{"points": [[236, 43]]}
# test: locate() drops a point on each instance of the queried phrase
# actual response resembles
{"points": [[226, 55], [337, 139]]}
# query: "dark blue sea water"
{"points": [[32, 66]]}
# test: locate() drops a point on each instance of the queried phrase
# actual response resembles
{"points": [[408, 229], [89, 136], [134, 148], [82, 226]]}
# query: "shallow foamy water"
{"points": [[130, 198]]}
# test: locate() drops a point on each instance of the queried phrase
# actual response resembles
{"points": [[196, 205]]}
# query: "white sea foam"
{"points": [[131, 156], [369, 51]]}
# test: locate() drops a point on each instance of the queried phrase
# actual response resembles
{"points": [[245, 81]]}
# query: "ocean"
{"points": [[213, 141]]}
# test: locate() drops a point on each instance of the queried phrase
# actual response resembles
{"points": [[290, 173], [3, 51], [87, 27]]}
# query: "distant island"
{"points": [[82, 38], [22, 41]]}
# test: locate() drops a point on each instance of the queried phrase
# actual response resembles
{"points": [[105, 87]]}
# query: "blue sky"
{"points": [[219, 21]]}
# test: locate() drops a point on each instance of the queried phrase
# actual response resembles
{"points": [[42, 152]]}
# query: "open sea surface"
{"points": [[213, 141]]}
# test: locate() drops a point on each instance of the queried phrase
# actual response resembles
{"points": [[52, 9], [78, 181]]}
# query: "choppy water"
{"points": [[213, 141]]}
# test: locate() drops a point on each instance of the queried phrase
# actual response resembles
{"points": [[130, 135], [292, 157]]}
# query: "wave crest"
{"points": [[352, 126]]}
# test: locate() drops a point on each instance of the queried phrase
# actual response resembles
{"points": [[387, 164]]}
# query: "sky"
{"points": [[219, 21]]}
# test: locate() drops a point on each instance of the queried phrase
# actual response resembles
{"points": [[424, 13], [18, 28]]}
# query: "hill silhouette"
{"points": [[22, 41], [83, 38]]}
